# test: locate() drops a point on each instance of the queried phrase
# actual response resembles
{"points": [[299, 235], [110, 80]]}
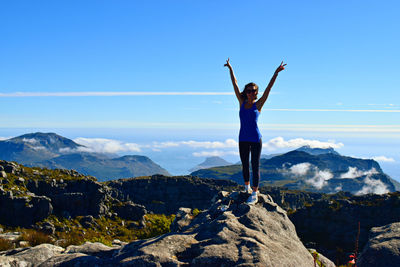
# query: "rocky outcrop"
{"points": [[164, 194], [229, 233], [383, 247], [29, 257], [73, 198], [23, 211], [329, 224], [130, 211]]}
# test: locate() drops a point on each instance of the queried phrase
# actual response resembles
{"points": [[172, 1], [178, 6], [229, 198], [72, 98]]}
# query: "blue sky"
{"points": [[143, 72]]}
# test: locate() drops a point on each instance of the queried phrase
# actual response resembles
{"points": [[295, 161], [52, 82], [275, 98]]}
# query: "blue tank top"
{"points": [[249, 131]]}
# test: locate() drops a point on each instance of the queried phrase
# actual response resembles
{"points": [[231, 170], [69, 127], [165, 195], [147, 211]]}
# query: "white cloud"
{"points": [[353, 172], [4, 138], [39, 148], [311, 173], [300, 169], [102, 145], [215, 153], [280, 142], [383, 159], [32, 141], [338, 188], [229, 143], [320, 178], [373, 186]]}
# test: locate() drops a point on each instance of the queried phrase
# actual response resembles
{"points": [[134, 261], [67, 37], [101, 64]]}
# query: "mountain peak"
{"points": [[317, 150], [210, 162], [50, 141]]}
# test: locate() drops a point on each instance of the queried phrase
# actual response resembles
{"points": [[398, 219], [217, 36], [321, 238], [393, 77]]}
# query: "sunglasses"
{"points": [[250, 91]]}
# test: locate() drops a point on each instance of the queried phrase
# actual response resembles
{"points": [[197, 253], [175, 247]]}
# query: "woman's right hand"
{"points": [[280, 68], [227, 64]]}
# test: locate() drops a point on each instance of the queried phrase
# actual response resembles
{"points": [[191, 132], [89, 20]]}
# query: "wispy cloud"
{"points": [[79, 94], [383, 159], [280, 142], [314, 176], [228, 143], [373, 186], [102, 145], [353, 172], [215, 153]]}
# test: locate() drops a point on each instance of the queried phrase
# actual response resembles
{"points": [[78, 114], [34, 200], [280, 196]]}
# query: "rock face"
{"points": [[229, 233], [383, 247], [75, 198], [163, 194], [334, 223], [23, 211]]}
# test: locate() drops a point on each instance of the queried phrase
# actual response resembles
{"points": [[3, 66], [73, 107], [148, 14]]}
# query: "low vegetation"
{"points": [[103, 230]]}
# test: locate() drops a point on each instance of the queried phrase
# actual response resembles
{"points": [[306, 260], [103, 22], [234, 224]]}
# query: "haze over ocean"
{"points": [[134, 77]]}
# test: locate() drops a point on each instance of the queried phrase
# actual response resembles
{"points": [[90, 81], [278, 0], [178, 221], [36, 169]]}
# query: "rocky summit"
{"points": [[229, 233], [383, 247]]}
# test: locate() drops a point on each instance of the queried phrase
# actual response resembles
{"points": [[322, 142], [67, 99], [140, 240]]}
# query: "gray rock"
{"points": [[23, 211], [74, 259], [383, 247], [20, 181], [3, 174], [10, 236], [93, 249], [182, 219], [259, 235], [87, 221], [32, 256], [48, 228], [130, 211]]}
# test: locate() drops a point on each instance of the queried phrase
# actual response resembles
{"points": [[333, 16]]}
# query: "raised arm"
{"points": [[234, 82], [260, 103]]}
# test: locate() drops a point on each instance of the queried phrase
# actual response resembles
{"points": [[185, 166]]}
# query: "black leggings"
{"points": [[244, 149]]}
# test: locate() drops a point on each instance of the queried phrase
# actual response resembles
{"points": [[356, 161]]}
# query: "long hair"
{"points": [[243, 93]]}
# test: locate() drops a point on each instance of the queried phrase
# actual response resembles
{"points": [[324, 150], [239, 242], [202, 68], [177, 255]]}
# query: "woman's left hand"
{"points": [[281, 67]]}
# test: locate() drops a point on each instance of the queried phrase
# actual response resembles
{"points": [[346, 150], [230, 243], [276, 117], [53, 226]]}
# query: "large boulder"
{"points": [[130, 211], [229, 233], [383, 247], [29, 256]]}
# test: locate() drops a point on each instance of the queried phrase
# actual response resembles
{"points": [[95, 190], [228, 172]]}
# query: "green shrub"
{"points": [[156, 224], [195, 212]]}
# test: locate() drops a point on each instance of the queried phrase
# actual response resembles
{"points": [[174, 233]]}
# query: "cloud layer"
{"points": [[383, 159], [280, 142], [102, 145]]}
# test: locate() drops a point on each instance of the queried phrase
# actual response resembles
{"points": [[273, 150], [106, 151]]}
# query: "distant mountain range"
{"points": [[314, 169], [56, 152], [210, 162]]}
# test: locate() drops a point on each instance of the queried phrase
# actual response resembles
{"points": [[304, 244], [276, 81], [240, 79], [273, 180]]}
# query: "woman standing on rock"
{"points": [[249, 135]]}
